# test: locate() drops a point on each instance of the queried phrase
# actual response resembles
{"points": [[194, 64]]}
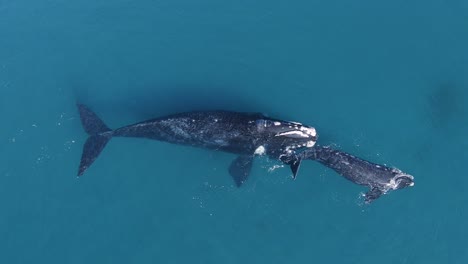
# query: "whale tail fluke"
{"points": [[92, 124], [99, 135]]}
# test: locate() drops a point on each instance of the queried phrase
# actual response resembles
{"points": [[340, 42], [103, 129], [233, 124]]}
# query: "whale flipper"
{"points": [[99, 135], [240, 169], [295, 164], [372, 195]]}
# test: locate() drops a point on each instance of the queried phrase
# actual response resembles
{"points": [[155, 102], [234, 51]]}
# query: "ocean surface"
{"points": [[384, 80]]}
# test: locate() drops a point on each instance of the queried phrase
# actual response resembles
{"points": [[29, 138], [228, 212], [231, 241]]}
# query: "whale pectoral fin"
{"points": [[295, 167], [240, 169], [372, 195]]}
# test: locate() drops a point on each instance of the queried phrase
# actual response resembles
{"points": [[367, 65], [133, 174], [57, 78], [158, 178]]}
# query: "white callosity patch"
{"points": [[276, 123], [302, 132], [260, 150], [309, 131], [294, 132], [295, 123]]}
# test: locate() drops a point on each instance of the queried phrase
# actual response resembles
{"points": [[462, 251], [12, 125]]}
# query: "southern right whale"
{"points": [[379, 178], [244, 134]]}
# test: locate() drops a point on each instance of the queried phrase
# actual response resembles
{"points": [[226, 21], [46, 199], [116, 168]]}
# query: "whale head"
{"points": [[403, 180], [400, 180], [286, 135], [284, 140]]}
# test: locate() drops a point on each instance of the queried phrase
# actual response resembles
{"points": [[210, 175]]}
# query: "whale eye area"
{"points": [[263, 124]]}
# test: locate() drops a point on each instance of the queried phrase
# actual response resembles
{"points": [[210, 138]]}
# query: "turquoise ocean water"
{"points": [[384, 80]]}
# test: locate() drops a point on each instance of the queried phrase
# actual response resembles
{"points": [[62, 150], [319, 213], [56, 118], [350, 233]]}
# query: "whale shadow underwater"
{"points": [[246, 135]]}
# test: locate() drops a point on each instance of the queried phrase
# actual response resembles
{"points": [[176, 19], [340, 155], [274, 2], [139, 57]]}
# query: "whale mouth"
{"points": [[303, 137], [295, 130], [301, 132]]}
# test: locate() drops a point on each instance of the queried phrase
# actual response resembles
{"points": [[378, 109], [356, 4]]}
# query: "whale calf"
{"points": [[379, 178], [244, 134]]}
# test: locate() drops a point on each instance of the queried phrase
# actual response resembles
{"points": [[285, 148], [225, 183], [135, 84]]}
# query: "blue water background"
{"points": [[384, 80]]}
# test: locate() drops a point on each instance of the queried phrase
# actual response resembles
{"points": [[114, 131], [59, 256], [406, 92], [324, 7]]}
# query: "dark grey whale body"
{"points": [[246, 135], [379, 178]]}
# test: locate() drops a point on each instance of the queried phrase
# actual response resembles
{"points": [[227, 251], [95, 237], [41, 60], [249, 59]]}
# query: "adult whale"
{"points": [[244, 134]]}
